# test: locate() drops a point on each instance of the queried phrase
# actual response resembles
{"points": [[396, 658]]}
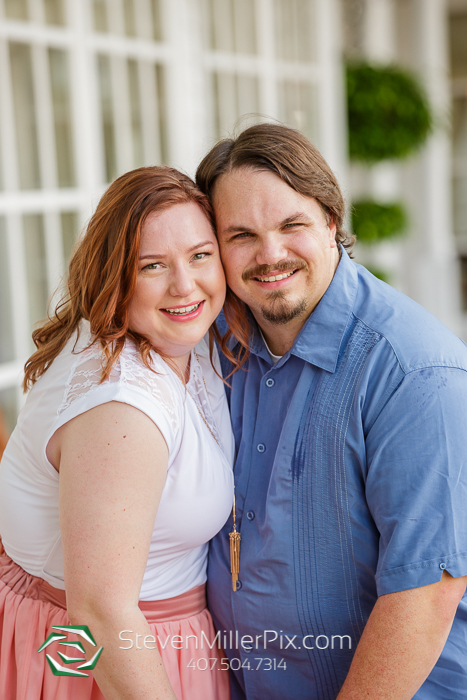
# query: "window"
{"points": [[92, 88]]}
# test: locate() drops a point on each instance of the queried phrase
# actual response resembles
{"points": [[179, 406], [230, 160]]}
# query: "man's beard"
{"points": [[280, 311]]}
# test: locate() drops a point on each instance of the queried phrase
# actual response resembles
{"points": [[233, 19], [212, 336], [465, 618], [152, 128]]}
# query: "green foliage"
{"points": [[373, 222], [388, 113], [380, 274]]}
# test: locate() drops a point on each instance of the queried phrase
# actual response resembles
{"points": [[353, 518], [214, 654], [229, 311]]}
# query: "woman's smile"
{"points": [[180, 286]]}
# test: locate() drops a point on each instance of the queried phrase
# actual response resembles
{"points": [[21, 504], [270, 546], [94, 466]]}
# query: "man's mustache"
{"points": [[278, 268]]}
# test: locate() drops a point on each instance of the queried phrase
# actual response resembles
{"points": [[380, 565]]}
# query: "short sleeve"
{"points": [[131, 382], [416, 484]]}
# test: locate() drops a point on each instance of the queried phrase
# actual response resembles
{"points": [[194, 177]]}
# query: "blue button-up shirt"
{"points": [[351, 482]]}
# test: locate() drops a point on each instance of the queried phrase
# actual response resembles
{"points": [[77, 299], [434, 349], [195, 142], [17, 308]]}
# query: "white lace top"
{"points": [[197, 496]]}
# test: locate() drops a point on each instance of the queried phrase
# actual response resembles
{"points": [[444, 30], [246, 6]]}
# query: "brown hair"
{"points": [[290, 156], [103, 269]]}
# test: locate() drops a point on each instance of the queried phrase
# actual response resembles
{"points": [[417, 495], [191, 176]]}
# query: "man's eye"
{"points": [[243, 235]]}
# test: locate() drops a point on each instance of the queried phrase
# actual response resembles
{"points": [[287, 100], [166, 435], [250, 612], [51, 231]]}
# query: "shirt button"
{"points": [[270, 382], [250, 515], [441, 566], [239, 585], [261, 447]]}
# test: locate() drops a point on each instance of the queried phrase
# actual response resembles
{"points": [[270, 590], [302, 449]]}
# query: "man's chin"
{"points": [[280, 314]]}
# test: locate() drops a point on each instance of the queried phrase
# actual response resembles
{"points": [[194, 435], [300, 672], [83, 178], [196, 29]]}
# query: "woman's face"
{"points": [[180, 287]]}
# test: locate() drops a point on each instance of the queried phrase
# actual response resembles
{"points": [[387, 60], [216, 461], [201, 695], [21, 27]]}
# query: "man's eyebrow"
{"points": [[299, 216], [294, 218], [161, 256]]}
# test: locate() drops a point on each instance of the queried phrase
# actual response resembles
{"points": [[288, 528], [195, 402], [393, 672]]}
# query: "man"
{"points": [[350, 423]]}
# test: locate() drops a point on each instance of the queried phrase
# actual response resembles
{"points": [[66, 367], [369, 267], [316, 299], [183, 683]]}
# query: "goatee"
{"points": [[281, 312]]}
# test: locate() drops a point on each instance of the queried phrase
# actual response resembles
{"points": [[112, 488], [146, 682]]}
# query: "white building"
{"points": [[92, 88]]}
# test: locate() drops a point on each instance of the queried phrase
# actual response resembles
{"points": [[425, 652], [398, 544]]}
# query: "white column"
{"points": [[185, 85], [332, 120], [382, 182], [435, 274], [379, 40], [379, 35]]}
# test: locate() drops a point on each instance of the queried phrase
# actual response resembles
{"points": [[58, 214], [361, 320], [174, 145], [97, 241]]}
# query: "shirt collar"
{"points": [[320, 338]]}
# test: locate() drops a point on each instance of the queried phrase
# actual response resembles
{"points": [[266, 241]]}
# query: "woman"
{"points": [[120, 468]]}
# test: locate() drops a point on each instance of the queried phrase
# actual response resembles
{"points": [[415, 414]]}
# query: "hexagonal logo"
{"points": [[72, 647]]}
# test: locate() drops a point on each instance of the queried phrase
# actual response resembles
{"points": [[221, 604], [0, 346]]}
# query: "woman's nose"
{"points": [[182, 283]]}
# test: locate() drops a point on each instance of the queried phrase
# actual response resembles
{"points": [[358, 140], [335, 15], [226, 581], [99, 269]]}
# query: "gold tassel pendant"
{"points": [[235, 538]]}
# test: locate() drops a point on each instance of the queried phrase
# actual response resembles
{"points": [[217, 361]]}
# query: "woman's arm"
{"points": [[113, 465]]}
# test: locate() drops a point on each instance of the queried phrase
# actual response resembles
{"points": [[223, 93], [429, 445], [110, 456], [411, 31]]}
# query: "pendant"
{"points": [[234, 538]]}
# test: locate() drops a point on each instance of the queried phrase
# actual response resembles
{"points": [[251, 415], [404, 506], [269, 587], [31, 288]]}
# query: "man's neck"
{"points": [[280, 338]]}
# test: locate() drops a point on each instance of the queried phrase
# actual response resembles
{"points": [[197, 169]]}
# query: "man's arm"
{"points": [[402, 640]]}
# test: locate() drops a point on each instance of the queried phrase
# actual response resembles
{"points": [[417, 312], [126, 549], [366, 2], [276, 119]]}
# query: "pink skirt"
{"points": [[29, 607]]}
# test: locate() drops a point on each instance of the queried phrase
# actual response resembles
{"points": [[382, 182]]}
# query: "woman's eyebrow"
{"points": [[161, 256]]}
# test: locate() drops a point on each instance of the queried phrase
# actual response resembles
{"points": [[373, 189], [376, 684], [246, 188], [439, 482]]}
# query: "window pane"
{"points": [[156, 20], [247, 92], [8, 415], [234, 97], [221, 16], [129, 16], [16, 9], [54, 13], [244, 26], [294, 23], [162, 107], [298, 107], [108, 126], [25, 117], [232, 25], [59, 78], [69, 221], [100, 16], [6, 325], [34, 244], [225, 100], [135, 106], [458, 44]]}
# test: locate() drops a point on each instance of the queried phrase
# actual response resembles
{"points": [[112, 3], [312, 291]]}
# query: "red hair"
{"points": [[103, 269]]}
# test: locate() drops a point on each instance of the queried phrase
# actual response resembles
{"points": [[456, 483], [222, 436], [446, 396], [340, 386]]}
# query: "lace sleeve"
{"points": [[130, 381]]}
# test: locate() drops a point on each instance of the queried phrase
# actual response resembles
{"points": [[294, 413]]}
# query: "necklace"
{"points": [[234, 536]]}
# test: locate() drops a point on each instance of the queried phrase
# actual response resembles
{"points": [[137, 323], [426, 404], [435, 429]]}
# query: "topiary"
{"points": [[373, 222], [388, 112]]}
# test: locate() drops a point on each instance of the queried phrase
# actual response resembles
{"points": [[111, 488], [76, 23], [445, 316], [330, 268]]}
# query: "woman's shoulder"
{"points": [[129, 373]]}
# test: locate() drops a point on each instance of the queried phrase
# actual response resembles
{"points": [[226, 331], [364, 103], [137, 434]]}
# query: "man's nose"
{"points": [[271, 250], [182, 283]]}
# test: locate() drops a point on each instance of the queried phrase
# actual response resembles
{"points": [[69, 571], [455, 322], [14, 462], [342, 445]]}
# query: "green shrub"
{"points": [[388, 113], [373, 222], [380, 274]]}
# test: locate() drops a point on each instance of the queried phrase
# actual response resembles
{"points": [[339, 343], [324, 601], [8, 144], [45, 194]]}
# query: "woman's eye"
{"points": [[152, 266], [200, 256]]}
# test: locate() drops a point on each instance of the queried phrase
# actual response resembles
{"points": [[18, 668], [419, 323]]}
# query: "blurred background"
{"points": [[92, 88]]}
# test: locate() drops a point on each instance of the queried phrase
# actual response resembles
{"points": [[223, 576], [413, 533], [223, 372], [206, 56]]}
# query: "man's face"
{"points": [[278, 250]]}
